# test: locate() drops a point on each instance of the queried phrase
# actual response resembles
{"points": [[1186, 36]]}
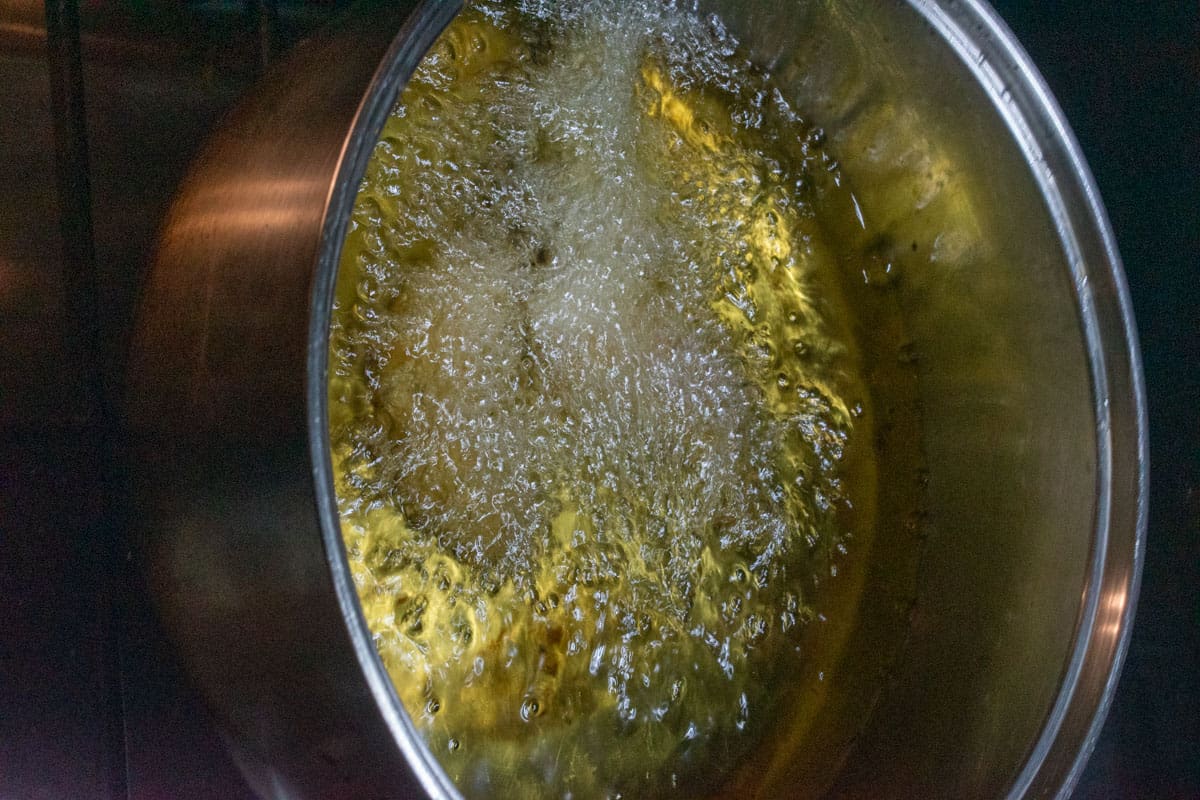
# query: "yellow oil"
{"points": [[600, 429]]}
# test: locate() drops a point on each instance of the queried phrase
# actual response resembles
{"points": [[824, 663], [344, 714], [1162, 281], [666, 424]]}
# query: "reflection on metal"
{"points": [[22, 30], [251, 207], [1111, 618]]}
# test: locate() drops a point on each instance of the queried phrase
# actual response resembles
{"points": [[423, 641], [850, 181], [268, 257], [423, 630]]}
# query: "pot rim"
{"points": [[999, 64]]}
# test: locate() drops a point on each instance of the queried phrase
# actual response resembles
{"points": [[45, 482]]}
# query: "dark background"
{"points": [[96, 131]]}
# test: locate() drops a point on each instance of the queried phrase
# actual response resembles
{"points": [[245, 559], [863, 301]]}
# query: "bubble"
{"points": [[908, 353], [530, 709], [568, 394], [880, 273]]}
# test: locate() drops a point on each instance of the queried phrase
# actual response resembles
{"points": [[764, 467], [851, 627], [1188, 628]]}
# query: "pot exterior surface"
{"points": [[218, 422]]}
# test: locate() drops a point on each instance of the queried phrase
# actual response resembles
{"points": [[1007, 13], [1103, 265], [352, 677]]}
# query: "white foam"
{"points": [[534, 375]]}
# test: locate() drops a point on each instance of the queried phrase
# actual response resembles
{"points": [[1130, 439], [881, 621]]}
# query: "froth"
{"points": [[582, 463]]}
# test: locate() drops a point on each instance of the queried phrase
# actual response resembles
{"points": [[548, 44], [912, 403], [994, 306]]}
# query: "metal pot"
{"points": [[1033, 413]]}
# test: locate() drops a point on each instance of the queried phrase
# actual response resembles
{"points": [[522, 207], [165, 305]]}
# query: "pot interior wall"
{"points": [[1005, 393]]}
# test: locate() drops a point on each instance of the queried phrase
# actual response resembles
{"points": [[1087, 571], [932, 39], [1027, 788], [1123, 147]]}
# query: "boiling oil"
{"points": [[599, 424]]}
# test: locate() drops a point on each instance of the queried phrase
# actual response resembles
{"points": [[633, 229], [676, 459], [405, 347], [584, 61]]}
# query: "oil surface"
{"points": [[598, 421]]}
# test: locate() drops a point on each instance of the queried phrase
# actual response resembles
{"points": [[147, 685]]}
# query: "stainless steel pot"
{"points": [[1029, 379]]}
